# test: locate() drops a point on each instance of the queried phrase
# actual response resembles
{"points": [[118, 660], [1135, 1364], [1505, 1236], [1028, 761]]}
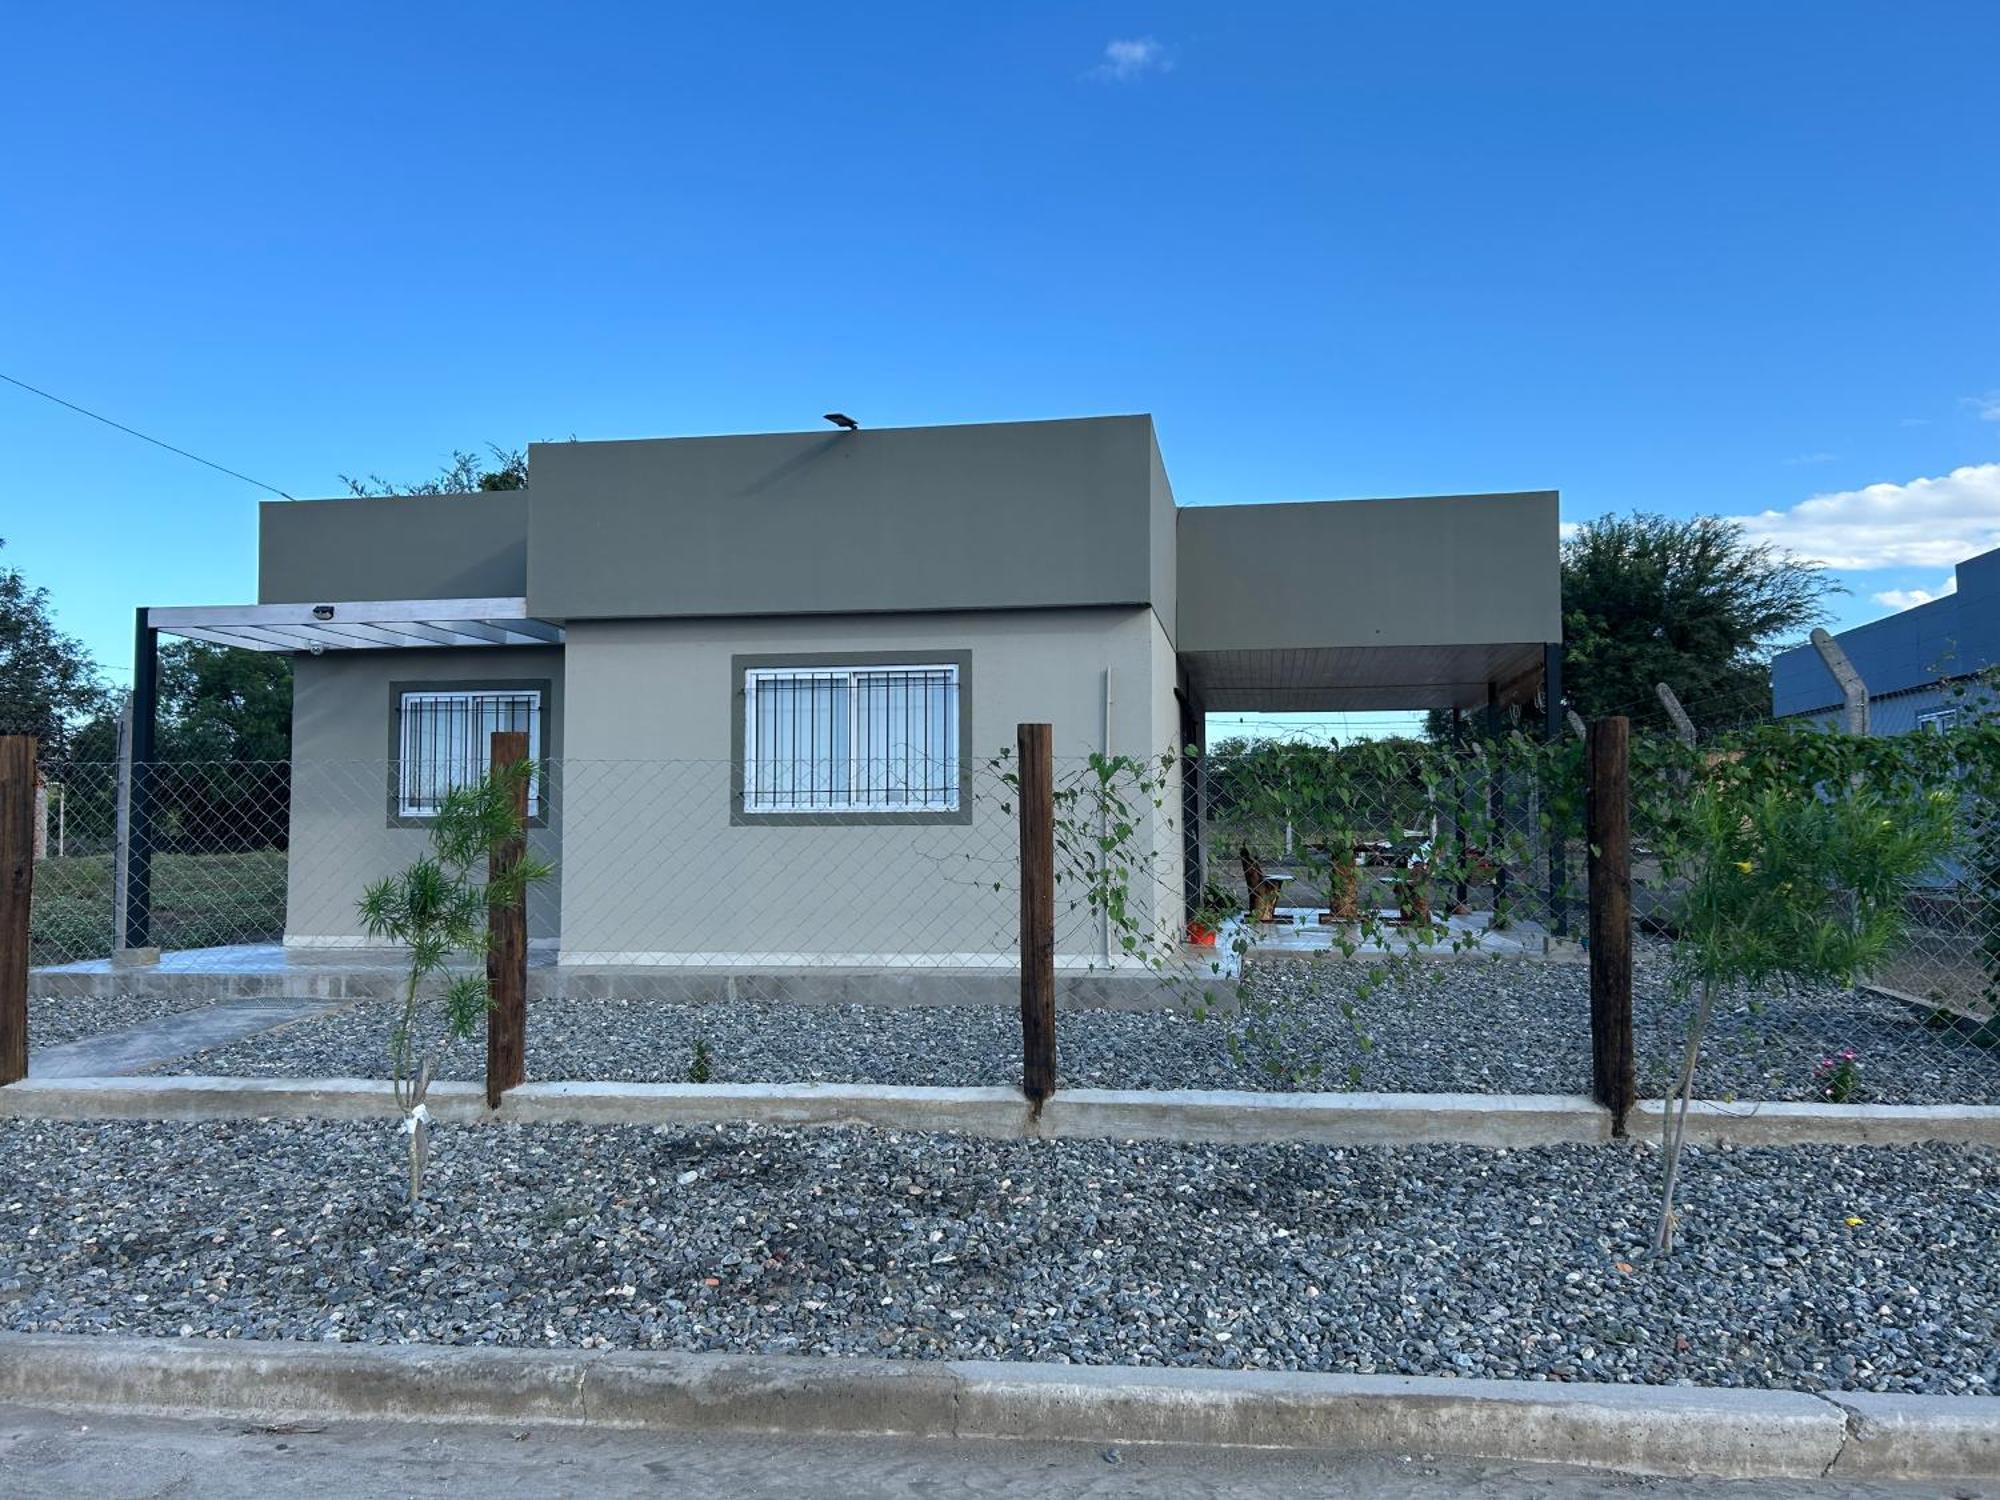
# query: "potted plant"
{"points": [[1412, 891], [1217, 907], [1343, 880]]}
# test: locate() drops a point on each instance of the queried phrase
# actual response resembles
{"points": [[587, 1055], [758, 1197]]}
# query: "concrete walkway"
{"points": [[112, 1054]]}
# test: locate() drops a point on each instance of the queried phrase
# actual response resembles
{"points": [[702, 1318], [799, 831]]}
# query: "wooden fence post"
{"points": [[1038, 912], [507, 943], [17, 882], [1614, 1073]]}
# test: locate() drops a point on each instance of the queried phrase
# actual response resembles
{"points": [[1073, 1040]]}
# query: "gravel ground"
{"points": [[1806, 1267], [1498, 1026], [55, 1022]]}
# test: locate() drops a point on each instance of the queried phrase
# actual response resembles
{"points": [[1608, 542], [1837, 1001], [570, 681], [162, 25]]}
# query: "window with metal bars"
{"points": [[862, 739], [445, 741]]}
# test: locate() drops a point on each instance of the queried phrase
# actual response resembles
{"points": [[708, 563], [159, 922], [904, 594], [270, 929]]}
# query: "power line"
{"points": [[98, 417]]}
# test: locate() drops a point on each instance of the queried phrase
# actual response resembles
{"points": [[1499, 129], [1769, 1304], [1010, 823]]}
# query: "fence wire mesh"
{"points": [[1922, 1024], [1393, 917], [210, 845]]}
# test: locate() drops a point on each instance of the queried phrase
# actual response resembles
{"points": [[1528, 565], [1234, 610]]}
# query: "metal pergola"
{"points": [[309, 628]]}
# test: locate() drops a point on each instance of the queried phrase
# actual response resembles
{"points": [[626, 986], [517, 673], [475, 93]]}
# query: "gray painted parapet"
{"points": [[393, 547], [1008, 515], [1438, 570]]}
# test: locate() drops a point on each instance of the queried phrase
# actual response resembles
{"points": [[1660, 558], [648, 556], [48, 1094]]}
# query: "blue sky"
{"points": [[1709, 257]]}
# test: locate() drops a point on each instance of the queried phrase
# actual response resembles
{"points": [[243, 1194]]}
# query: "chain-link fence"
{"points": [[206, 858], [1389, 916], [1922, 1023]]}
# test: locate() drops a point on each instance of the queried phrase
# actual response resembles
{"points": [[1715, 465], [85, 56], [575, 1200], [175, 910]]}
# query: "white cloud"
{"points": [[1126, 58], [1911, 598], [1988, 406], [1922, 523]]}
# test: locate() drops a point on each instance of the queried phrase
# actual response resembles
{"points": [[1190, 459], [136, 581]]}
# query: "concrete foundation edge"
{"points": [[1666, 1430], [1193, 1115], [335, 979], [1715, 1122], [1119, 1114]]}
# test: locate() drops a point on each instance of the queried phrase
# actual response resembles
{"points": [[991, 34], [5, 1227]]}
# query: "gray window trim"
{"points": [[805, 660], [541, 685]]}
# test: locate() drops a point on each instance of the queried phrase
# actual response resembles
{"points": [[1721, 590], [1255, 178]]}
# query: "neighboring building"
{"points": [[1916, 663], [777, 664]]}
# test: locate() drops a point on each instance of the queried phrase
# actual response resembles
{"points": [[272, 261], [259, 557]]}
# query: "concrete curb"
{"points": [[1670, 1430], [1916, 1437], [1120, 1114], [1636, 1429], [1189, 1115], [1715, 1123], [195, 1098]]}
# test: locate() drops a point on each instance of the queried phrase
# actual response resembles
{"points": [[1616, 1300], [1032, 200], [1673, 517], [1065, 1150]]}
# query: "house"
{"points": [[1918, 664], [768, 672]]}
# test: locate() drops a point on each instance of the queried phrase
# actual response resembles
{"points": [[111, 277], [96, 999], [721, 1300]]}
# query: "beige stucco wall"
{"points": [[655, 872], [650, 869], [342, 833]]}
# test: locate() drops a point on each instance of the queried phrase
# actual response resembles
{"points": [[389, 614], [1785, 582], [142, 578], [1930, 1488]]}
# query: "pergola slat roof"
{"points": [[359, 625]]}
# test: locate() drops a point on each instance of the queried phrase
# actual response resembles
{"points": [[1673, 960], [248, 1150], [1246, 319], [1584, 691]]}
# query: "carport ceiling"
{"points": [[1354, 679]]}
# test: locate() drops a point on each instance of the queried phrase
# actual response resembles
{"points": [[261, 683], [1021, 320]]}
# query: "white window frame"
{"points": [[752, 804], [406, 806], [1937, 720]]}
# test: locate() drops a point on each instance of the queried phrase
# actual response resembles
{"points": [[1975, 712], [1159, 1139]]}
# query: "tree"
{"points": [[467, 473], [438, 909], [222, 703], [49, 682], [223, 751], [1802, 885], [225, 744], [1692, 603]]}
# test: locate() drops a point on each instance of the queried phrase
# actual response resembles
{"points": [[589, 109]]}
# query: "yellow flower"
{"points": [[1745, 866]]}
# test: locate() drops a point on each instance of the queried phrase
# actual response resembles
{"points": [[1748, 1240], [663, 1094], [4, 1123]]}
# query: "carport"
{"points": [[1447, 602]]}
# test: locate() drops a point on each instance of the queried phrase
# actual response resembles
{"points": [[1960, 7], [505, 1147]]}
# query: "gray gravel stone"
{"points": [[1799, 1267], [1483, 1026]]}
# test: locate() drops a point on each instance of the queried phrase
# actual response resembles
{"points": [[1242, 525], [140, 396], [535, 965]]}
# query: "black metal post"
{"points": [[1496, 795], [1461, 894], [1552, 732], [1194, 774], [138, 914]]}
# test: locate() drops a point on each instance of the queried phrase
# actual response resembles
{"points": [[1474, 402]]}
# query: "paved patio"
{"points": [[1299, 933]]}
